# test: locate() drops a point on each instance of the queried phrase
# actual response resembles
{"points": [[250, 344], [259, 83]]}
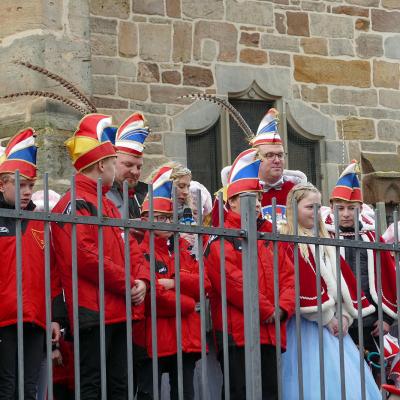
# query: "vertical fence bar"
{"points": [[75, 304], [396, 263], [47, 283], [128, 301], [340, 308], [297, 294], [319, 308], [224, 311], [178, 299], [276, 302], [103, 372], [20, 311], [379, 290], [203, 328], [359, 316], [250, 298], [153, 304]]}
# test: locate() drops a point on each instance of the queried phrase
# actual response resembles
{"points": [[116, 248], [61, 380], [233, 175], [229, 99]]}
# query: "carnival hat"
{"points": [[243, 176], [348, 186], [267, 132], [131, 135], [20, 154], [90, 142], [162, 192]]}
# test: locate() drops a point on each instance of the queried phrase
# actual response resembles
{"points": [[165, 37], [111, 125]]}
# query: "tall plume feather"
{"points": [[49, 95], [63, 82], [235, 114]]}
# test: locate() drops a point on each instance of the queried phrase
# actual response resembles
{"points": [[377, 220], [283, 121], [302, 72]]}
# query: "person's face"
{"points": [[182, 188], [272, 162], [234, 204], [107, 168], [305, 209], [160, 217], [128, 167], [346, 212], [26, 191]]}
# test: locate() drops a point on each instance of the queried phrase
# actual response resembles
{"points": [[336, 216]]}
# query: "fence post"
{"points": [[250, 297], [381, 206]]}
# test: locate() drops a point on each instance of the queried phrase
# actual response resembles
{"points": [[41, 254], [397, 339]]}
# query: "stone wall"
{"points": [[332, 65], [54, 35], [336, 63]]}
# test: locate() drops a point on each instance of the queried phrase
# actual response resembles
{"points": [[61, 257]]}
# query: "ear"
{"points": [[100, 166]]}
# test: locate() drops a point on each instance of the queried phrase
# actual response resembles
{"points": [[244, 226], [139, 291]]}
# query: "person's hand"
{"points": [[189, 237], [385, 328], [56, 356], [345, 323], [138, 292], [271, 319], [333, 327], [167, 283], [55, 332]]}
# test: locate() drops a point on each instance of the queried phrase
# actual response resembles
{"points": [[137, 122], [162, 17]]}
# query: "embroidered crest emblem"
{"points": [[39, 237]]}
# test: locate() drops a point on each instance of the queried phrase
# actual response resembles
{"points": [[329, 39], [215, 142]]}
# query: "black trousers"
{"points": [[169, 365], [33, 352], [237, 373], [116, 362], [369, 343]]}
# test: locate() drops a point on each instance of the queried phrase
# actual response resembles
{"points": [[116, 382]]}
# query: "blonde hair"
{"points": [[296, 194], [178, 170], [6, 177]]}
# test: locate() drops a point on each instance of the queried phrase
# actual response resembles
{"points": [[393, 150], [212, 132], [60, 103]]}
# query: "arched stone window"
{"points": [[309, 136]]}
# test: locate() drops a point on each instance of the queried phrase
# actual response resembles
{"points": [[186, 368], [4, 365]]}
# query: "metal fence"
{"points": [[249, 236]]}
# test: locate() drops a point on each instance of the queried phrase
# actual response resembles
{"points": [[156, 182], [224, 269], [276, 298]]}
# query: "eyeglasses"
{"points": [[271, 156], [162, 218]]}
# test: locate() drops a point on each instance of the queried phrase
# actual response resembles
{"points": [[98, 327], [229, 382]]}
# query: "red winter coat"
{"points": [[88, 258], [234, 286], [33, 268], [165, 299]]}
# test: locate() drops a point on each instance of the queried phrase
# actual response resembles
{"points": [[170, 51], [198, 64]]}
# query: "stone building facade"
{"points": [[331, 67]]}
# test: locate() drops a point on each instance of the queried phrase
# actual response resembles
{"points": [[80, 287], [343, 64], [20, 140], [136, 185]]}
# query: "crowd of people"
{"points": [[115, 154]]}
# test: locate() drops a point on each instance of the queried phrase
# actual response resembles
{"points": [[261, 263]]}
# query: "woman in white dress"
{"points": [[306, 196]]}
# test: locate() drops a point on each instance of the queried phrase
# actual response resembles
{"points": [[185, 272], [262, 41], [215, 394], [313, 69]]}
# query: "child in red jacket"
{"points": [[20, 154], [244, 178], [166, 302]]}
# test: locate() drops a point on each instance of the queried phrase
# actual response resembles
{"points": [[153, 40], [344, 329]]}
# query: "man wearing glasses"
{"points": [[129, 145], [272, 154]]}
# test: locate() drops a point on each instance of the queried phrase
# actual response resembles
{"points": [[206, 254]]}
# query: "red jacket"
{"points": [[165, 299], [33, 268], [234, 286], [88, 258]]}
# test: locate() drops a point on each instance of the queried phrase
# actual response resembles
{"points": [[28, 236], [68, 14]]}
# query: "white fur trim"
{"points": [[294, 176], [330, 285], [371, 280]]}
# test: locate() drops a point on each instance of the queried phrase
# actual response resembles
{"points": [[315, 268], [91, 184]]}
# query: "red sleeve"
{"points": [[234, 278], [140, 267], [88, 259], [166, 303]]}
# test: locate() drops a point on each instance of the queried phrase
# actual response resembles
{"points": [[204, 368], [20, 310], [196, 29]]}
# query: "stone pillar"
{"points": [[53, 35]]}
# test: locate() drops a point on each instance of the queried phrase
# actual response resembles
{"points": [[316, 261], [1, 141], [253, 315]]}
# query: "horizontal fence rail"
{"points": [[214, 371]]}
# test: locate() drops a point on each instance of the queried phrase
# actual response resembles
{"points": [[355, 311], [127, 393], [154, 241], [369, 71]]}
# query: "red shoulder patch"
{"points": [[39, 237]]}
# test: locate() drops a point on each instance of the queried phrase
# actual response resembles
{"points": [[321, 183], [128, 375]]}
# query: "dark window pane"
{"points": [[303, 155], [252, 111], [203, 157]]}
